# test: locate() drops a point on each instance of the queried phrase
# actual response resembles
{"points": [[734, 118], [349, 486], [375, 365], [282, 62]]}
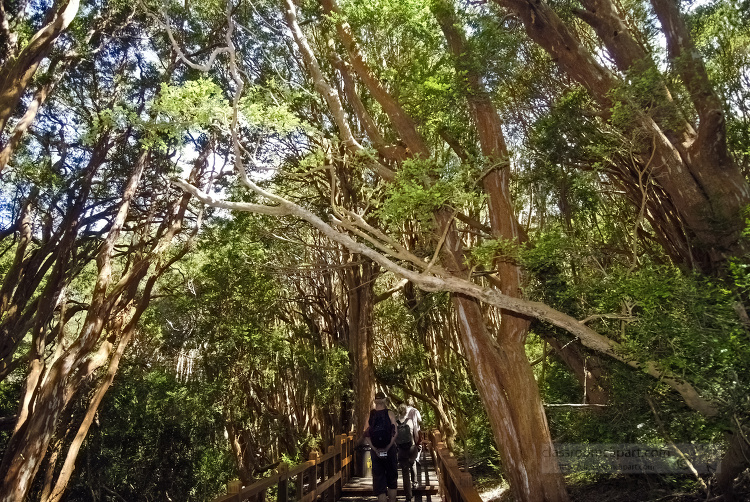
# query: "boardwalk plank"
{"points": [[359, 489]]}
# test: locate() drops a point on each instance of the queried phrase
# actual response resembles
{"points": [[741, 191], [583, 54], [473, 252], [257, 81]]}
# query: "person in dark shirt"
{"points": [[380, 434]]}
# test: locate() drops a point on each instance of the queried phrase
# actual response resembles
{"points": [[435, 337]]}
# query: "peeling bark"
{"points": [[402, 122]]}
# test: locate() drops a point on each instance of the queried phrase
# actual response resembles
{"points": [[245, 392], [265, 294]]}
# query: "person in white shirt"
{"points": [[407, 440], [416, 417]]}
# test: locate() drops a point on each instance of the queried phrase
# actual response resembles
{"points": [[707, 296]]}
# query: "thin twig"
{"points": [[608, 316], [671, 444]]}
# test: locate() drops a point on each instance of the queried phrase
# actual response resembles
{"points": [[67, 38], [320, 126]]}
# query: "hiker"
{"points": [[381, 436], [416, 418], [407, 440]]}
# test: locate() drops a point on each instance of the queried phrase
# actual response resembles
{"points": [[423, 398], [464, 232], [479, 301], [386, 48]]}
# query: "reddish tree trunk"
{"points": [[360, 281], [733, 463], [17, 72], [52, 383], [587, 370], [506, 384], [45, 399], [511, 397]]}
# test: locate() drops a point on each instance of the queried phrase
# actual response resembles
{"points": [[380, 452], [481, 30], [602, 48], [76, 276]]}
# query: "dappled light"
{"points": [[231, 229]]}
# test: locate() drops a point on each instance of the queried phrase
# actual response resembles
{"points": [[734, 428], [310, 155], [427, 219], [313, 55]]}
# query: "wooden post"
{"points": [[314, 477], [350, 457], [300, 486], [451, 470], [428, 450], [330, 471], [338, 461], [437, 437], [283, 486], [234, 486], [441, 453]]}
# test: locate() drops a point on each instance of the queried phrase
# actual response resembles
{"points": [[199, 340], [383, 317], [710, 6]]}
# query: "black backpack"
{"points": [[404, 436], [381, 428]]}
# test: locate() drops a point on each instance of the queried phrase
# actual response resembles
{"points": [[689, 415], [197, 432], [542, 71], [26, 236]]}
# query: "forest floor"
{"points": [[648, 488]]}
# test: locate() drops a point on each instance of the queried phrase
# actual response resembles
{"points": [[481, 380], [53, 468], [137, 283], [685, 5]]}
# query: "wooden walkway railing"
{"points": [[456, 485], [322, 475], [325, 476]]}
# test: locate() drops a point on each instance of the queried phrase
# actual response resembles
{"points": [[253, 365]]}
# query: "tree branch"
{"points": [[387, 294], [491, 296]]}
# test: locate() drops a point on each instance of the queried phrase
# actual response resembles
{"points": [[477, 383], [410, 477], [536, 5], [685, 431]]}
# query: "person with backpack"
{"points": [[381, 436], [407, 439]]}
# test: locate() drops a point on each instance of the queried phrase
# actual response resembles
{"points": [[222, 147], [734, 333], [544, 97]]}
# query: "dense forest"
{"points": [[225, 224]]}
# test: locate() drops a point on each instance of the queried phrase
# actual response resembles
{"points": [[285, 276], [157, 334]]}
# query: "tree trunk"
{"points": [[360, 282], [509, 392], [17, 72], [70, 458], [502, 373], [46, 398], [511, 397], [503, 221], [733, 463], [587, 370], [19, 310], [164, 236], [40, 96]]}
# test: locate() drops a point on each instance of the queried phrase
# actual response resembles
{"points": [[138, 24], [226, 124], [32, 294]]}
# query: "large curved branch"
{"points": [[444, 282], [176, 46], [328, 93], [234, 206], [688, 61]]}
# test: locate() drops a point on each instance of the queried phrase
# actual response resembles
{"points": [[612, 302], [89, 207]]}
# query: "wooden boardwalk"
{"points": [[339, 475], [359, 489]]}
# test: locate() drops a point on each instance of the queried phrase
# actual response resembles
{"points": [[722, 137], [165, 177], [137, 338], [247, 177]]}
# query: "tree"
{"points": [[703, 187], [409, 138], [474, 331], [116, 200], [21, 60]]}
